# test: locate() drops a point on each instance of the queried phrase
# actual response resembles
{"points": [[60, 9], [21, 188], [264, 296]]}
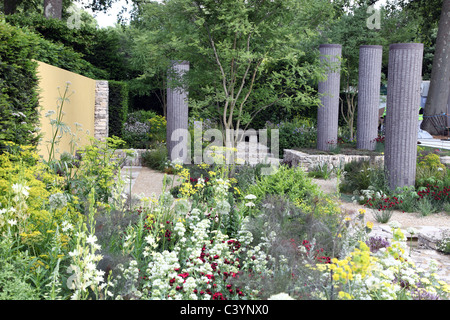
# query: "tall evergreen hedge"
{"points": [[118, 106], [19, 100]]}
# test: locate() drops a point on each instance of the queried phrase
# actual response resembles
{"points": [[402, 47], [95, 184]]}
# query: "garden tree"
{"points": [[245, 55], [104, 48], [53, 9], [57, 9], [33, 6], [439, 82], [151, 49], [10, 6]]}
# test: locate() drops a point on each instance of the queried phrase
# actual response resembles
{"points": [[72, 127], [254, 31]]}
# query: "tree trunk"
{"points": [[370, 58], [439, 83], [403, 98], [10, 6], [328, 112], [53, 9], [177, 115]]}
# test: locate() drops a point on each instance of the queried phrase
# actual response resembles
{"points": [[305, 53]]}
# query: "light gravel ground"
{"points": [[149, 182], [406, 219]]}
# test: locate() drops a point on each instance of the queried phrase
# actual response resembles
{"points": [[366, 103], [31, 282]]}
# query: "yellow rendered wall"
{"points": [[79, 109]]}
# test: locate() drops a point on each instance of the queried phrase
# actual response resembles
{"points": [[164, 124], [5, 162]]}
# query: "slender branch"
{"points": [[230, 118], [248, 93]]}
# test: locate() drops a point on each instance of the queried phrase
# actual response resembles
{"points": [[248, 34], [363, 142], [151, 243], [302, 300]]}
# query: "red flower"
{"points": [[218, 296]]}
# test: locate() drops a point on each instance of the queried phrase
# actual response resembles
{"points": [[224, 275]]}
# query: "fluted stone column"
{"points": [[328, 112], [369, 81], [403, 100], [177, 114]]}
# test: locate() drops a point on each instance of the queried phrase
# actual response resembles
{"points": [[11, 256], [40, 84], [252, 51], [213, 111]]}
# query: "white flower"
{"points": [[74, 253], [49, 113], [57, 200], [91, 239], [20, 189], [223, 207], [66, 226], [250, 197], [395, 224], [280, 296], [250, 204], [90, 266], [12, 222], [412, 230], [151, 241]]}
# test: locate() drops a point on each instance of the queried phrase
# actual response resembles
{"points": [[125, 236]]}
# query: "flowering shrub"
{"points": [[201, 264], [384, 275], [376, 243], [31, 199], [443, 245], [429, 168], [376, 269]]}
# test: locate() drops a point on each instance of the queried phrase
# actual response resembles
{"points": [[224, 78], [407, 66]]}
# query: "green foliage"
{"points": [[408, 199], [80, 39], [429, 168], [156, 159], [87, 50], [65, 58], [19, 113], [99, 168], [298, 133], [136, 129], [243, 65], [158, 129], [360, 175], [246, 176], [144, 129], [15, 283], [321, 171], [117, 107], [291, 182]]}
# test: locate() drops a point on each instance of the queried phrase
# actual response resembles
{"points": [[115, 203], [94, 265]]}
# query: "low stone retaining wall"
{"points": [[135, 161], [309, 161]]}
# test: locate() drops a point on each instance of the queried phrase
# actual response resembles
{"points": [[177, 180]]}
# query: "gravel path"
{"points": [[146, 182], [406, 219]]}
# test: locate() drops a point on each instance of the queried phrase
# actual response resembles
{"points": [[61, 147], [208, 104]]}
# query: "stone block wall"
{"points": [[101, 117], [135, 161], [308, 161]]}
